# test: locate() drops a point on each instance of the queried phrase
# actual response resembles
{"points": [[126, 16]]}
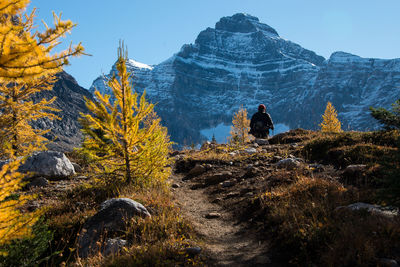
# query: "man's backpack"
{"points": [[260, 126]]}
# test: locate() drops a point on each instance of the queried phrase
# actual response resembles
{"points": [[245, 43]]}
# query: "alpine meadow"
{"points": [[234, 147]]}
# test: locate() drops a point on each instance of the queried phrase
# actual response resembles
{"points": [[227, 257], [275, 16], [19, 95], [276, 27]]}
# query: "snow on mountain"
{"points": [[243, 61]]}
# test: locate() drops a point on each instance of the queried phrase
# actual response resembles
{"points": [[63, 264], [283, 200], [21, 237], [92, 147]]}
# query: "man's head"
{"points": [[262, 108]]}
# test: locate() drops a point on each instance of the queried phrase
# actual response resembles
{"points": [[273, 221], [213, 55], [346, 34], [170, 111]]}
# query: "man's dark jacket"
{"points": [[265, 118]]}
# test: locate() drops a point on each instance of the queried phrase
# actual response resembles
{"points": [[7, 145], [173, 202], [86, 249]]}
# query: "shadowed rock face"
{"points": [[70, 100], [243, 61]]}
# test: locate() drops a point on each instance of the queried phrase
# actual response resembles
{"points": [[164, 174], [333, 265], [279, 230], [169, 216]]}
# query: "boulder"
{"points": [[355, 175], [250, 150], [112, 218], [113, 246], [218, 178], [37, 182], [48, 164], [388, 212], [261, 142], [289, 163]]}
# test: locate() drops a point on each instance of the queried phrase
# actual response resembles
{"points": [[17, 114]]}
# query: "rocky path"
{"points": [[226, 242]]}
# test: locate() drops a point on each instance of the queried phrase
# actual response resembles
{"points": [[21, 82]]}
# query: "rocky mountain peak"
{"points": [[243, 23], [341, 56], [243, 61]]}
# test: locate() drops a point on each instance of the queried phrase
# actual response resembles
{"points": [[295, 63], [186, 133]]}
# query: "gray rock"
{"points": [[77, 167], [50, 164], [388, 212], [38, 182], [250, 150], [197, 170], [289, 163], [213, 215], [111, 218], [217, 178], [113, 246], [261, 142], [255, 145]]}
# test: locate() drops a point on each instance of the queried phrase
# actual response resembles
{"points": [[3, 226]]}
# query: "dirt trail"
{"points": [[226, 242]]}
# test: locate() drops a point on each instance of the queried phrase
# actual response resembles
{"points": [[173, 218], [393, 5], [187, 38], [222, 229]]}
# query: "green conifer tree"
{"points": [[390, 119]]}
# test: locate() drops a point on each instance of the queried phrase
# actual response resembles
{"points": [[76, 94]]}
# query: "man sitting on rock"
{"points": [[260, 123]]}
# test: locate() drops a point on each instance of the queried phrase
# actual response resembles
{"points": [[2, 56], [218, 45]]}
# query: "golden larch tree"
{"points": [[125, 135], [330, 123], [13, 223], [240, 127], [27, 66]]}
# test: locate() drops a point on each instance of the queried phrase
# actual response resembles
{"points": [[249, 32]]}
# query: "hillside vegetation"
{"points": [[299, 209]]}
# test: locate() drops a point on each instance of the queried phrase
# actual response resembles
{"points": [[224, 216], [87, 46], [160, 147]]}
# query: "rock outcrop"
{"points": [[113, 217], [65, 133]]}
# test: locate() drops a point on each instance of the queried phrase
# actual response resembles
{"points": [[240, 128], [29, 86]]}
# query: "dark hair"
{"points": [[262, 107]]}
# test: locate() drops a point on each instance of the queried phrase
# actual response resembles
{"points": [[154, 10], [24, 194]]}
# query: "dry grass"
{"points": [[157, 241], [302, 220], [347, 148]]}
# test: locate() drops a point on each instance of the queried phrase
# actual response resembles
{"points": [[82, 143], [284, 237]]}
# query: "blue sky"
{"points": [[154, 30]]}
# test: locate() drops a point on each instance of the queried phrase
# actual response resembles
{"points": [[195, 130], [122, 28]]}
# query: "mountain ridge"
{"points": [[243, 61]]}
